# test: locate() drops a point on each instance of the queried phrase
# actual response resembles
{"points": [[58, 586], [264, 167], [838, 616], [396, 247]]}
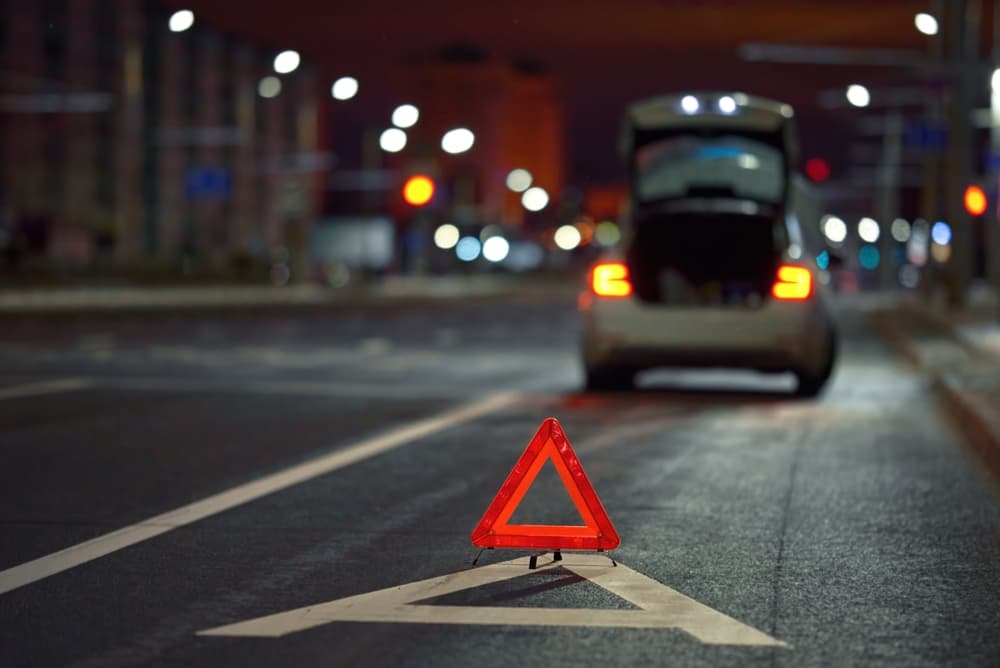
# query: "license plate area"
{"points": [[677, 290]]}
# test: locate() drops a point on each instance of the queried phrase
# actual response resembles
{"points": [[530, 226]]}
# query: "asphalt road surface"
{"points": [[164, 475]]}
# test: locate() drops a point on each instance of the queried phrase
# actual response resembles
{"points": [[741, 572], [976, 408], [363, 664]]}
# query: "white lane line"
{"points": [[659, 606], [63, 560], [45, 387]]}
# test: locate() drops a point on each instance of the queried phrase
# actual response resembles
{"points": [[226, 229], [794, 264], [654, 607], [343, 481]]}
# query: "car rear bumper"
{"points": [[778, 336]]}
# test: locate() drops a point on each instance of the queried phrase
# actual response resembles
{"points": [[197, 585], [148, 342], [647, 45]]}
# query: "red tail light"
{"points": [[794, 283], [610, 279]]}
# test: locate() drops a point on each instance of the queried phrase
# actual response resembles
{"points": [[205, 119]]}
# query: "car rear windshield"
{"points": [[685, 165]]}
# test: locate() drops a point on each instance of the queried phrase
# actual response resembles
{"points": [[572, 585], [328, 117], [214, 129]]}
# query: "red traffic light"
{"points": [[817, 169], [418, 190], [975, 201]]}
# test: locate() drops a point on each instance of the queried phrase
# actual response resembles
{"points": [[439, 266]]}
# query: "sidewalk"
{"points": [[961, 352], [136, 298]]}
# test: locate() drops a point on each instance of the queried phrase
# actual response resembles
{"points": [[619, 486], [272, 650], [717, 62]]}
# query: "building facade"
{"points": [[516, 115], [125, 143]]}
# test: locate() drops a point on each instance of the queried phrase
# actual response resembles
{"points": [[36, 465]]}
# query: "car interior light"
{"points": [[794, 283], [610, 279]]}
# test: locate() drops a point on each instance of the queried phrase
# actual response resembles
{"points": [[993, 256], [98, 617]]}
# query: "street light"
{"points": [[900, 230], [858, 95], [567, 237], [535, 199], [405, 116], [287, 62], [446, 236], [868, 230], [269, 87], [344, 88], [519, 180], [496, 249], [392, 140], [834, 229], [457, 140], [181, 20], [926, 23]]}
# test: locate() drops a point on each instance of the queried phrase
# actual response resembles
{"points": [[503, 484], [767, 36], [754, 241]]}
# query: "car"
{"points": [[715, 267]]}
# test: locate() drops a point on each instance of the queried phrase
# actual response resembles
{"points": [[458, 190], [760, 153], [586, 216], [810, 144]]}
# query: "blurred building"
{"points": [[126, 143], [516, 113]]}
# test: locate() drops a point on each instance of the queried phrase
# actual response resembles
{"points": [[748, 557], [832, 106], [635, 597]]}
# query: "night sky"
{"points": [[604, 54]]}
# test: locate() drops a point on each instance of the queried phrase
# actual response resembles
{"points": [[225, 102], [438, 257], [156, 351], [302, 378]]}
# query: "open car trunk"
{"points": [[704, 258]]}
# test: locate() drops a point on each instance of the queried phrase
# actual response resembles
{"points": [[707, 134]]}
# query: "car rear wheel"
{"points": [[604, 378], [811, 383]]}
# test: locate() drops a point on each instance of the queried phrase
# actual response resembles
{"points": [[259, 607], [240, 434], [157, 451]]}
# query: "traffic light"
{"points": [[975, 201], [418, 190]]}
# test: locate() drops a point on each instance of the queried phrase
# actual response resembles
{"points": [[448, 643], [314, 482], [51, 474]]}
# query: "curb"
{"points": [[972, 419], [229, 297], [970, 409]]}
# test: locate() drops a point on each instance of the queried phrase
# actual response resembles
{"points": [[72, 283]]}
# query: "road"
{"points": [[851, 530]]}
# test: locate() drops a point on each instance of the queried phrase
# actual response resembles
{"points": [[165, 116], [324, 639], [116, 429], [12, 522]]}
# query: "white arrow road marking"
{"points": [[660, 606], [57, 562]]}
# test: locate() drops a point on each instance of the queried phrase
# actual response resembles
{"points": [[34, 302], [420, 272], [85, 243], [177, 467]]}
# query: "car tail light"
{"points": [[794, 283], [610, 279]]}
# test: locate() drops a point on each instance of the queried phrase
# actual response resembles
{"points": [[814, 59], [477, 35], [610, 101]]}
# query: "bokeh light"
{"points": [[519, 180], [869, 256], [405, 116], [900, 230], [490, 231], [909, 276], [524, 256], [495, 249], [916, 247], [607, 233], [392, 140], [269, 87], [467, 249], [446, 236], [181, 20], [287, 62], [975, 201], [940, 253], [535, 199], [834, 229], [727, 104], [690, 104], [344, 88], [823, 260], [567, 237], [868, 230], [418, 190], [817, 169], [941, 233], [457, 140], [858, 95], [926, 23]]}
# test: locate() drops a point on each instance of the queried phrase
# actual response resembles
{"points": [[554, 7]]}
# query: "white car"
{"points": [[713, 269]]}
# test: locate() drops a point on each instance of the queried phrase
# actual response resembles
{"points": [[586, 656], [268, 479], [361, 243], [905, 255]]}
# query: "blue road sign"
{"points": [[207, 183], [931, 137]]}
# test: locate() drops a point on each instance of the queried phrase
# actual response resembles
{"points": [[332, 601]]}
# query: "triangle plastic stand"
{"points": [[548, 444]]}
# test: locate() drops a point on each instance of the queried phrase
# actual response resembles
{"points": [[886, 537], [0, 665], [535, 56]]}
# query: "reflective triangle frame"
{"points": [[548, 444]]}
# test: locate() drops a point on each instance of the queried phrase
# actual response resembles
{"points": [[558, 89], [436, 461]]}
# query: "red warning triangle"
{"points": [[548, 444]]}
